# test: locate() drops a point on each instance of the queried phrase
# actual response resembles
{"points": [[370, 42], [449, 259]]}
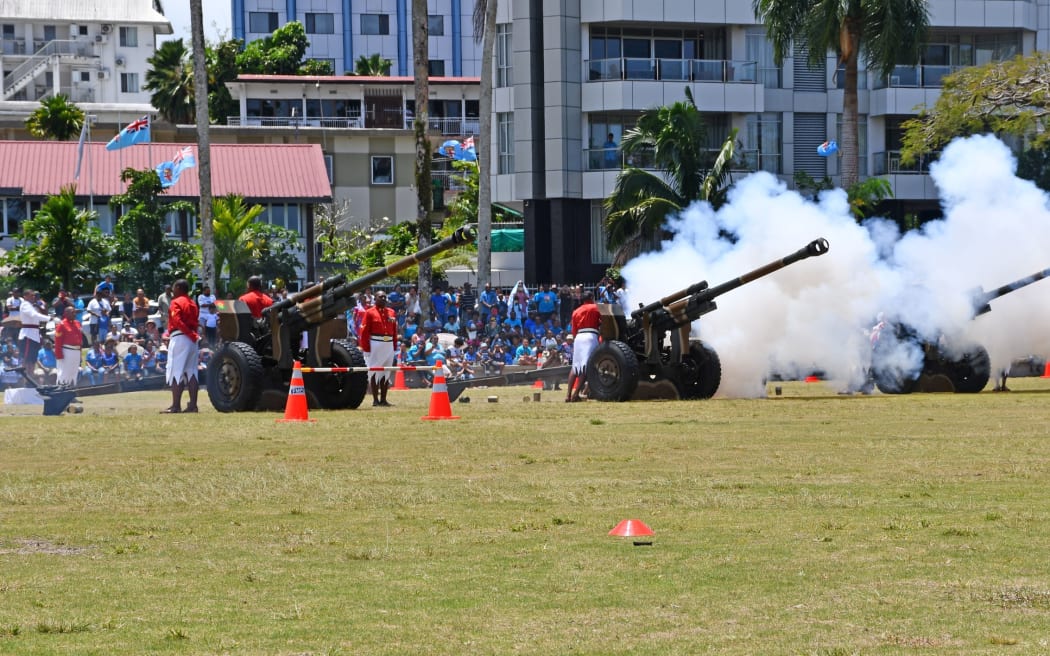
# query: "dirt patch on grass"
{"points": [[28, 546]]}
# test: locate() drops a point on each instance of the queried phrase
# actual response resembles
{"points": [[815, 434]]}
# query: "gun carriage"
{"points": [[253, 368], [650, 354]]}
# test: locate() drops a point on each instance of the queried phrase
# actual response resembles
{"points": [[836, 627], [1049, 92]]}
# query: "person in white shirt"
{"points": [[208, 317], [98, 310], [29, 336]]}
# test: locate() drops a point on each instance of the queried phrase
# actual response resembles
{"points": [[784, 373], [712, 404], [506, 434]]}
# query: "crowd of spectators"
{"points": [[475, 333], [480, 333]]}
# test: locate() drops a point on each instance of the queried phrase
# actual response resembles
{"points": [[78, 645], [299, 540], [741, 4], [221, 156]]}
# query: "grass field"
{"points": [[808, 523]]}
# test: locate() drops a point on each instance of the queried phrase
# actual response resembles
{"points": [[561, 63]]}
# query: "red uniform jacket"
{"points": [[377, 321]]}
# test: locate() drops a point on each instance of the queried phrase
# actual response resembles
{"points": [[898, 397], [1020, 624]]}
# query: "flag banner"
{"points": [[80, 149], [136, 132], [169, 172]]}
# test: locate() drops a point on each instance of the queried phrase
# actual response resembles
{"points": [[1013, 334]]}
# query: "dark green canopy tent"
{"points": [[508, 240]]}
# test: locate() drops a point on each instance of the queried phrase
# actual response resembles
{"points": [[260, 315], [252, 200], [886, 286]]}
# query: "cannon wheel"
{"points": [[235, 376], [337, 391], [700, 373], [971, 372], [612, 372]]}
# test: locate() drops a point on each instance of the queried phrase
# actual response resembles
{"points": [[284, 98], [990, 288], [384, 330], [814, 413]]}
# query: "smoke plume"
{"points": [[816, 314]]}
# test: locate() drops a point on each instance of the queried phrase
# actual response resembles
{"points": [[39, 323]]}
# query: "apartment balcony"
{"points": [[634, 83], [446, 127]]}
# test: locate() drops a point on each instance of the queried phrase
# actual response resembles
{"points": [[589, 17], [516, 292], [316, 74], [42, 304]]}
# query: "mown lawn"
{"points": [[809, 523]]}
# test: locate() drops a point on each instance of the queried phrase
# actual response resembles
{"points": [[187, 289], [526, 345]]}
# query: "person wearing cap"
{"points": [[68, 340], [183, 327], [377, 336], [160, 362], [586, 320]]}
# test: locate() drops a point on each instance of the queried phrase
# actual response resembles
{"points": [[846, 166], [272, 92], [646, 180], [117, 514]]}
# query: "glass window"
{"points": [[129, 82], [436, 68], [129, 37], [50, 33], [382, 170], [82, 30], [262, 22], [762, 151], [760, 51], [292, 218], [85, 76], [505, 142], [7, 31], [599, 253], [436, 25], [375, 24], [320, 23], [504, 56]]}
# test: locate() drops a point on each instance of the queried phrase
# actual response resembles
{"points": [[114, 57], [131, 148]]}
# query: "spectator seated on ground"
{"points": [[47, 363], [160, 363], [10, 377], [525, 354], [491, 359], [128, 333], [133, 363], [110, 362], [149, 357], [431, 325], [152, 333], [94, 369], [452, 325]]}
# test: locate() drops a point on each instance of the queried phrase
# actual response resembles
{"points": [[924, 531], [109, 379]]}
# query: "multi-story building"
{"points": [[341, 31], [93, 51], [570, 72]]}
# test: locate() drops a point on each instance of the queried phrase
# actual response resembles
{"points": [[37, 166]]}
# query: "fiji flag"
{"points": [[169, 172], [136, 132]]}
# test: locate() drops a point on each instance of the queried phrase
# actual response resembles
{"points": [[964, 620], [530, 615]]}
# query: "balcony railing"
{"points": [[614, 159], [924, 76], [443, 126], [889, 163], [448, 126], [687, 70], [13, 46]]}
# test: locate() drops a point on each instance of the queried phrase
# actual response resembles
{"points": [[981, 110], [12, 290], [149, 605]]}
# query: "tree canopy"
{"points": [[885, 32], [56, 119], [170, 81], [1008, 97], [281, 53], [374, 65]]}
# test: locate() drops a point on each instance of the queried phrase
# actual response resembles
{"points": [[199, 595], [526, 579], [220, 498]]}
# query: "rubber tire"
{"points": [[234, 378], [612, 372], [702, 372], [971, 373], [338, 391]]}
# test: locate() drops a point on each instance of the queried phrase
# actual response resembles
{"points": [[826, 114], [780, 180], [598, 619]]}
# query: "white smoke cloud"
{"points": [[815, 314]]}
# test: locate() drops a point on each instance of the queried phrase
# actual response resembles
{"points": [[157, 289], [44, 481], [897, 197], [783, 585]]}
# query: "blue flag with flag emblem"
{"points": [[136, 132], [169, 172]]}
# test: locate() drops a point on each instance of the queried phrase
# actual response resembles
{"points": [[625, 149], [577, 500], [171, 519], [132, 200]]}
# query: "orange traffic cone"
{"points": [[295, 408], [1046, 370], [440, 408], [812, 379], [399, 381], [538, 384]]}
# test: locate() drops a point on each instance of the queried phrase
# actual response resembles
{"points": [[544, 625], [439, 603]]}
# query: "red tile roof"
{"points": [[253, 171]]}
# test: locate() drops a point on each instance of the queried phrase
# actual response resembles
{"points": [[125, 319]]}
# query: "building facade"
{"points": [[568, 73], [341, 31], [92, 51]]}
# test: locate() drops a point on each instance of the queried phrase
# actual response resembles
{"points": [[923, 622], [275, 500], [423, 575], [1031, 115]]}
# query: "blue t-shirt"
{"points": [[46, 358], [546, 302], [132, 363]]}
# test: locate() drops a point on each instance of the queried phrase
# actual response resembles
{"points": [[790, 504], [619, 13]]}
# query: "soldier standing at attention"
{"points": [[68, 340], [377, 338], [183, 324]]}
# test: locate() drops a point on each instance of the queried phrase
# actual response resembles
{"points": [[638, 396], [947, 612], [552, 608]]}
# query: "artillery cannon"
{"points": [[897, 349], [636, 360], [253, 368]]}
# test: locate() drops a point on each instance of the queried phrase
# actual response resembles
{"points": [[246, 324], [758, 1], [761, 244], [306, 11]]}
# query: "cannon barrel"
{"points": [[704, 294], [982, 299], [309, 292]]}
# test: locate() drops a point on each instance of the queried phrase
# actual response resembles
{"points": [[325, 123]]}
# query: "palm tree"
{"points": [[200, 87], [60, 245], [485, 26], [424, 196], [170, 79], [641, 199], [889, 32], [230, 221], [373, 66], [56, 119]]}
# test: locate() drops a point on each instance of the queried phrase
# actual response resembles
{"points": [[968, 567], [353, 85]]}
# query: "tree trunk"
{"points": [[848, 172], [424, 192], [200, 90], [486, 146]]}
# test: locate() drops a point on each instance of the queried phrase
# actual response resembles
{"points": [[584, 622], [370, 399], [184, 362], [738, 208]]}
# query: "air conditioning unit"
{"points": [[103, 74], [107, 28], [101, 38], [120, 60]]}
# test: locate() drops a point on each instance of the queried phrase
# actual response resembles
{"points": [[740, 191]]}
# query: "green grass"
{"points": [[808, 523]]}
